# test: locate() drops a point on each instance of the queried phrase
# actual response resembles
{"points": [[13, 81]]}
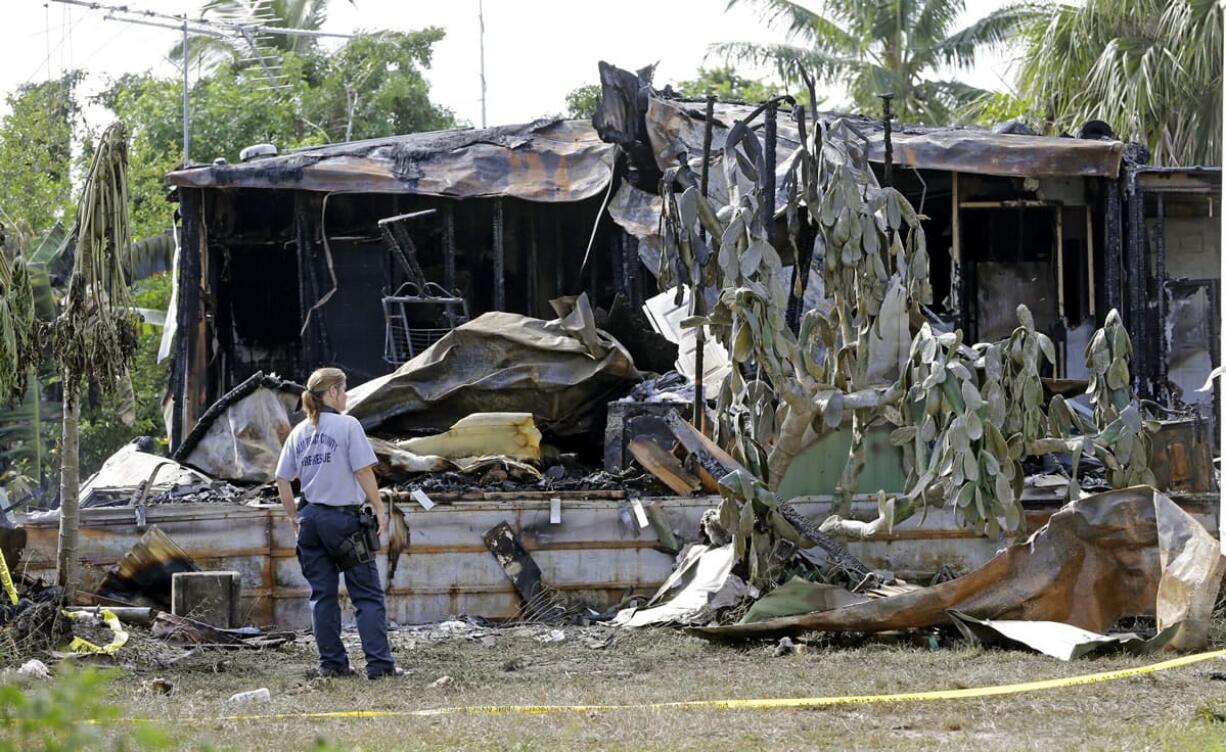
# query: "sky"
{"points": [[535, 50]]}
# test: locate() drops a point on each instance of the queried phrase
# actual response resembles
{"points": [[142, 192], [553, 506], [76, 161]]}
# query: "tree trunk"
{"points": [[68, 569]]}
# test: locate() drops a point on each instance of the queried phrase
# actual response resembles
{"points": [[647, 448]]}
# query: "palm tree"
{"points": [[1152, 69], [306, 15], [878, 46]]}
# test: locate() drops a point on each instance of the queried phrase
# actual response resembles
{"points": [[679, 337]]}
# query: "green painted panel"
{"points": [[816, 470]]}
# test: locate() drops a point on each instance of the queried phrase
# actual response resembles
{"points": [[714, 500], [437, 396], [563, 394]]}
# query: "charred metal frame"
{"points": [[1112, 245], [957, 284], [1137, 261], [534, 284], [500, 295], [449, 280], [1161, 389], [770, 143], [800, 269], [700, 338]]}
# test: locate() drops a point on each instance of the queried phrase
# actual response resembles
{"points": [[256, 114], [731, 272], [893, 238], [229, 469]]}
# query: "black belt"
{"points": [[354, 508]]}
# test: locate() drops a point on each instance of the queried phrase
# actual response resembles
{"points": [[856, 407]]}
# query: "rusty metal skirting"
{"points": [[597, 552]]}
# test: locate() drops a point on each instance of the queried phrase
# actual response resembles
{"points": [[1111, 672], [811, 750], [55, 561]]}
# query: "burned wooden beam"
{"points": [[713, 462], [836, 551], [665, 467], [187, 315], [1162, 392], [302, 241], [560, 256], [717, 463]]}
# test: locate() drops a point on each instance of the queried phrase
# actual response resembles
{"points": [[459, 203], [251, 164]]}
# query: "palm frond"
{"points": [[1150, 68], [27, 432], [209, 52], [993, 30], [934, 21], [802, 24], [788, 60], [205, 52]]}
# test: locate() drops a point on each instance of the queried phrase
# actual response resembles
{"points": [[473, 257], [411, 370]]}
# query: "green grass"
{"points": [[1179, 709]]}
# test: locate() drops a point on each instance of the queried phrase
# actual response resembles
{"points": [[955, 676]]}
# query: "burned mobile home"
{"points": [[360, 255], [1071, 226], [365, 255], [297, 260]]}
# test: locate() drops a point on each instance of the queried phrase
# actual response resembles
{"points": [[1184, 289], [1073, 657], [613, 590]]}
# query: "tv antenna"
{"points": [[248, 29]]}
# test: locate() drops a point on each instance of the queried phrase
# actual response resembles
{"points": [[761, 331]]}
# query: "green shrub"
{"points": [[67, 715]]}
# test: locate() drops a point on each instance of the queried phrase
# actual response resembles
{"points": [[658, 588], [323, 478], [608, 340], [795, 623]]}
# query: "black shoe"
{"points": [[336, 673], [393, 673]]}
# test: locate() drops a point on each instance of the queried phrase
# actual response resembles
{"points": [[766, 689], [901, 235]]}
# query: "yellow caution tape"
{"points": [[777, 703], [7, 579], [81, 646]]}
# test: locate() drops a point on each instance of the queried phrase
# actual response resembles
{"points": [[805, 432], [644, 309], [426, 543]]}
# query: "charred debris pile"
{"points": [[798, 291]]}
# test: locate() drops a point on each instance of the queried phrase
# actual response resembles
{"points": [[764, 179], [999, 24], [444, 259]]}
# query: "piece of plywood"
{"points": [[712, 461], [665, 467]]}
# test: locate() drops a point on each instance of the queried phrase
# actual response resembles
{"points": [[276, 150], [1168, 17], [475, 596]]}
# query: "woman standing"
{"points": [[331, 458]]}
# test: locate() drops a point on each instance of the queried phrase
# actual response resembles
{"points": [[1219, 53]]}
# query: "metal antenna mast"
{"points": [[187, 131], [244, 30], [481, 23]]}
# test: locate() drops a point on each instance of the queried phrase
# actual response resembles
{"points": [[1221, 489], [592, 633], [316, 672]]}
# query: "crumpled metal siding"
{"points": [[674, 126], [1007, 155], [547, 161]]}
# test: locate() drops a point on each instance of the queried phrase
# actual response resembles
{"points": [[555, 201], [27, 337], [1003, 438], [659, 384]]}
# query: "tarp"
{"points": [[239, 437], [547, 160], [562, 371], [244, 442], [1115, 554]]}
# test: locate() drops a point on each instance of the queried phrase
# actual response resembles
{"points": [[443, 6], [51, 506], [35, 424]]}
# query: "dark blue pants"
{"points": [[320, 532]]}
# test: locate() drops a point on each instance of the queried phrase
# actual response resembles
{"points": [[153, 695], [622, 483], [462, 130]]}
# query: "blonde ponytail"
{"points": [[317, 386]]}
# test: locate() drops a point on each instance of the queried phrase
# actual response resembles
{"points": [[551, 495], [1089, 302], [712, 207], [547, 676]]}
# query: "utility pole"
{"points": [[481, 24]]}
